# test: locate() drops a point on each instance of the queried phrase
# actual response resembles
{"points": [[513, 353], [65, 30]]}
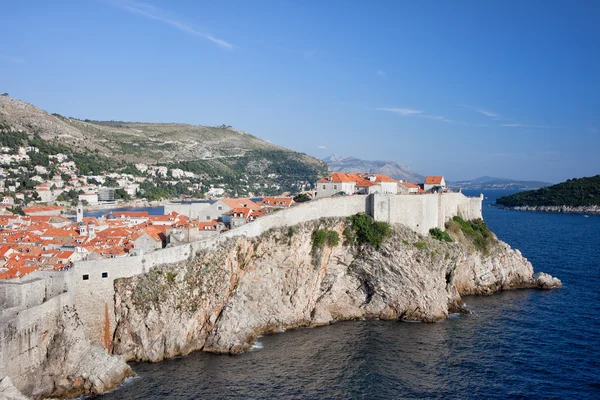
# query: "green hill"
{"points": [[216, 154], [577, 192]]}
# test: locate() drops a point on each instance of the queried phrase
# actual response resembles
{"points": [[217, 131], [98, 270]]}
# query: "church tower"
{"points": [[79, 212]]}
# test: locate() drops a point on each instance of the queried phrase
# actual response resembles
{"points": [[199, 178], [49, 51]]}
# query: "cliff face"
{"points": [[74, 365], [52, 357], [220, 301]]}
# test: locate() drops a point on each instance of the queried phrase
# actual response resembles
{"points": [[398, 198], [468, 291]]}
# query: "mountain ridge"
{"points": [[217, 155], [391, 168]]}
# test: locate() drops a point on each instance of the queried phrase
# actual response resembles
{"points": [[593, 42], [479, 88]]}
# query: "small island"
{"points": [[577, 195]]}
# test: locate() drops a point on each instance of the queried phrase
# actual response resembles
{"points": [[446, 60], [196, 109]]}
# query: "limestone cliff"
{"points": [[219, 301], [60, 362]]}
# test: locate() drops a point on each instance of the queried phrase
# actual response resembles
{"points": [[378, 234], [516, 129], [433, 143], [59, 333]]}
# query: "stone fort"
{"points": [[30, 306]]}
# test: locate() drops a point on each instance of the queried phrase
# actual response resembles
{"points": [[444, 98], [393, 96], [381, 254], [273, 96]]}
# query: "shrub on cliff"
{"points": [[322, 237], [476, 231], [369, 231], [440, 235]]}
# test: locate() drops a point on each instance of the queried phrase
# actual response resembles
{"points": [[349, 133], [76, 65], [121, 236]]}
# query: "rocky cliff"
{"points": [[220, 301], [58, 360]]}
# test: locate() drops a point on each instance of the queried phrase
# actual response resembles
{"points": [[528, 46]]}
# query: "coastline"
{"points": [[555, 209]]}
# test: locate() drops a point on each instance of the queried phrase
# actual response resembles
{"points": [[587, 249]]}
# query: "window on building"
{"points": [[219, 208], [323, 187], [86, 277], [334, 187], [105, 274], [208, 217]]}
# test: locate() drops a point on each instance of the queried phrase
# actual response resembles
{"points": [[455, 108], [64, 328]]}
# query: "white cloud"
{"points": [[516, 125], [380, 72], [409, 112], [322, 147], [12, 59], [487, 113], [438, 118], [406, 112], [152, 12]]}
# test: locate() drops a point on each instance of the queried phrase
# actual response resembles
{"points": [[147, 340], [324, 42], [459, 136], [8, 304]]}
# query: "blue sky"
{"points": [[461, 88]]}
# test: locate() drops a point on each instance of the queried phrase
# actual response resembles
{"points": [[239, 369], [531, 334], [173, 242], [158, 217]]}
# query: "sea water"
{"points": [[515, 344]]}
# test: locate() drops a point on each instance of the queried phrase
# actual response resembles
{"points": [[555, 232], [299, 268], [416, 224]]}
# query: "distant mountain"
{"points": [[390, 168], [492, 183], [141, 141]]}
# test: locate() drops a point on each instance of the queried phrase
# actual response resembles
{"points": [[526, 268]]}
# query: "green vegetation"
{"points": [[420, 245], [290, 232], [286, 169], [322, 237], [368, 231], [440, 235], [171, 276], [349, 236], [476, 231], [12, 139], [301, 198], [572, 193]]}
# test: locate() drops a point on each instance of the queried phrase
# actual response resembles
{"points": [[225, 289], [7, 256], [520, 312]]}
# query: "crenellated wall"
{"points": [[89, 285]]}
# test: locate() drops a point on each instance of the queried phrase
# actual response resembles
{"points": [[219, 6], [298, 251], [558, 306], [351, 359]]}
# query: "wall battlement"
{"points": [[89, 285]]}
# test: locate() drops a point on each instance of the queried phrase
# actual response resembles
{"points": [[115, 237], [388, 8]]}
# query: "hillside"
{"points": [[209, 152], [390, 168], [577, 192], [492, 183]]}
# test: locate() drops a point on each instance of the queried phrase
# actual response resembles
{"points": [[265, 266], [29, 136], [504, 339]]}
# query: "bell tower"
{"points": [[79, 211]]}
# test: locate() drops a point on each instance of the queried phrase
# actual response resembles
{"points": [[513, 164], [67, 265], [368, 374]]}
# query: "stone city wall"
{"points": [[24, 339], [90, 284]]}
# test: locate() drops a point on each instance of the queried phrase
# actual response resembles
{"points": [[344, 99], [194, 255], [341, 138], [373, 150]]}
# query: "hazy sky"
{"points": [[460, 88]]}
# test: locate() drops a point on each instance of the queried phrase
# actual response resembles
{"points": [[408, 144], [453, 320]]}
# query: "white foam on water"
{"points": [[256, 346]]}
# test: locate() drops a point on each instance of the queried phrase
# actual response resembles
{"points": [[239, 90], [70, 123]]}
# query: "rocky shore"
{"points": [[221, 301], [558, 209]]}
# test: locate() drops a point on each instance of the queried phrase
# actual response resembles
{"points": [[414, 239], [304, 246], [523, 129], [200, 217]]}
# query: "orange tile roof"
{"points": [[210, 224], [434, 180], [38, 209], [338, 177], [383, 178], [272, 201], [240, 203], [18, 272], [244, 211]]}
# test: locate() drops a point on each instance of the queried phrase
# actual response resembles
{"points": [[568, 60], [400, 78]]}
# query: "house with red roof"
{"points": [[276, 202], [342, 183], [43, 210], [434, 182]]}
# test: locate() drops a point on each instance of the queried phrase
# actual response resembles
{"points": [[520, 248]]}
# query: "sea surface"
{"points": [[521, 344]]}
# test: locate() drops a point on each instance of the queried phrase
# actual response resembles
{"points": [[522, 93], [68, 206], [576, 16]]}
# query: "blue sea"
{"points": [[520, 344]]}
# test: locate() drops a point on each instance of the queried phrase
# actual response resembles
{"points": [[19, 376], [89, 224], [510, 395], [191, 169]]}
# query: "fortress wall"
{"points": [[418, 212], [32, 290], [192, 210], [94, 296], [475, 207], [24, 339], [342, 206]]}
